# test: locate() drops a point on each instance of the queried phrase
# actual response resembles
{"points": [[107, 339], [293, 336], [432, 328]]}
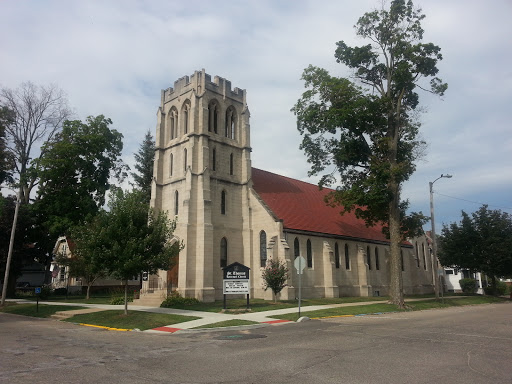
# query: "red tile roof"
{"points": [[301, 206]]}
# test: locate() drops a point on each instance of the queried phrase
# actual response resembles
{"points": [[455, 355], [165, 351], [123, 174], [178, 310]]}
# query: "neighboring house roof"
{"points": [[301, 206]]}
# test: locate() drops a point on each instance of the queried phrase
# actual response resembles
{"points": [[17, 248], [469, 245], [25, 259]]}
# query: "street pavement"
{"points": [[458, 345]]}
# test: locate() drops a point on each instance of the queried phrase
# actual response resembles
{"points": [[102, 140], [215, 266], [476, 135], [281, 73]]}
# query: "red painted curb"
{"points": [[276, 321], [166, 329]]}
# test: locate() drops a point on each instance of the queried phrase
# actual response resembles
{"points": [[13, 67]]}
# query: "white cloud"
{"points": [[114, 57]]}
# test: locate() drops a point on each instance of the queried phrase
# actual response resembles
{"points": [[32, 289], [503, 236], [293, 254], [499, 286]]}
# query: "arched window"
{"points": [[402, 260], [223, 253], [263, 249], [185, 160], [424, 260], [347, 258], [213, 112], [176, 203], [368, 257], [377, 262], [229, 129], [171, 164], [214, 159], [296, 248], [336, 255], [417, 256], [309, 254], [223, 202], [231, 164], [173, 123]]}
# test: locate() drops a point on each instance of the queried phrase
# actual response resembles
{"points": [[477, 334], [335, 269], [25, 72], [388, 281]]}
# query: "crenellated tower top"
{"points": [[199, 82]]}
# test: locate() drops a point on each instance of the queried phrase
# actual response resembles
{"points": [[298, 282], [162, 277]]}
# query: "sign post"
{"points": [[38, 293], [236, 281], [300, 264]]}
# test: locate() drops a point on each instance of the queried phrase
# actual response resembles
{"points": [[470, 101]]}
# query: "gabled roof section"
{"points": [[301, 206]]}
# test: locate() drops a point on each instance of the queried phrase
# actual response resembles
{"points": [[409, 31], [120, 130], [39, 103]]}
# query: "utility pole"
{"points": [[11, 246], [435, 266]]}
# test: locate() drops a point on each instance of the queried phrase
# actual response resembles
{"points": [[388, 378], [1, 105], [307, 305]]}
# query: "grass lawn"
{"points": [[259, 305], [31, 309], [99, 299], [381, 308], [228, 323], [134, 319]]}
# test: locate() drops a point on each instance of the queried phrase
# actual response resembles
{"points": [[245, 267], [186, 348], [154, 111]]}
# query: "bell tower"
{"points": [[201, 176]]}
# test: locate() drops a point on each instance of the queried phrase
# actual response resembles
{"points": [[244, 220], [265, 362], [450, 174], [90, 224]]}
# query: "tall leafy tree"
{"points": [[39, 112], [6, 163], [76, 171], [366, 130], [144, 165], [480, 242], [136, 238]]}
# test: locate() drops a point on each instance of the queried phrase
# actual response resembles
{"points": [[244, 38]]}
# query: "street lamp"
{"points": [[433, 234]]}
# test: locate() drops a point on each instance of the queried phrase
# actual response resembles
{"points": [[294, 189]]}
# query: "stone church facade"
{"points": [[229, 212]]}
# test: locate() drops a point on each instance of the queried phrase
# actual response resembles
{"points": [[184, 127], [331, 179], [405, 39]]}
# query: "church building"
{"points": [[227, 211]]}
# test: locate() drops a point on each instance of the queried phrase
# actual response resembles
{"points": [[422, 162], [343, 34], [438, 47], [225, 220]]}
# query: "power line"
{"points": [[474, 202]]}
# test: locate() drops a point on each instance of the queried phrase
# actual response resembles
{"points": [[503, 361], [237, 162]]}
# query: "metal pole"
{"points": [[300, 283], [11, 246], [434, 245]]}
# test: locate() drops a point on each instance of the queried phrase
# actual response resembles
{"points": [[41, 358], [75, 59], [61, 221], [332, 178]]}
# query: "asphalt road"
{"points": [[458, 345]]}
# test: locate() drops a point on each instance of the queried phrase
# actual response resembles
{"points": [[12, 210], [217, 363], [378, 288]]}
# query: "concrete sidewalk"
{"points": [[207, 318]]}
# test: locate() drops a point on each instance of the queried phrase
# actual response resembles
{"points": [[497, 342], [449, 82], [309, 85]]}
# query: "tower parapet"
{"points": [[200, 81]]}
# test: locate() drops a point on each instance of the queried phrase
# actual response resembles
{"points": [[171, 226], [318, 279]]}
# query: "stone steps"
{"points": [[153, 299]]}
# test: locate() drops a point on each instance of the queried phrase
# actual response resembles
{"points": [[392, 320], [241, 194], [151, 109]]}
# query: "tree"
{"points": [[137, 238], [481, 242], [76, 171], [6, 163], [87, 261], [274, 276], [144, 165], [39, 112], [23, 252], [368, 132]]}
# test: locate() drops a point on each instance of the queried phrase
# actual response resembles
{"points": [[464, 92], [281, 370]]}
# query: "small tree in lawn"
{"points": [[87, 260], [138, 239], [275, 276]]}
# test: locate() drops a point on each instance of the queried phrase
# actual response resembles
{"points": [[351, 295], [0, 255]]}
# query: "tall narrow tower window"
{"points": [[223, 202], [231, 164], [173, 123], [176, 203], [185, 160], [263, 249], [212, 116], [223, 253], [171, 164], [229, 130], [214, 159]]}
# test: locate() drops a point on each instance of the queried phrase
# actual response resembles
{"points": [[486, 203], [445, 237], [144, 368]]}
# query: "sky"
{"points": [[114, 58]]}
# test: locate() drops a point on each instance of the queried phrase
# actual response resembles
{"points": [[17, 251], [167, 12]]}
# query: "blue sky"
{"points": [[114, 57]]}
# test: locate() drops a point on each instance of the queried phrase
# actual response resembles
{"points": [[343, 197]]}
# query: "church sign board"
{"points": [[236, 281]]}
